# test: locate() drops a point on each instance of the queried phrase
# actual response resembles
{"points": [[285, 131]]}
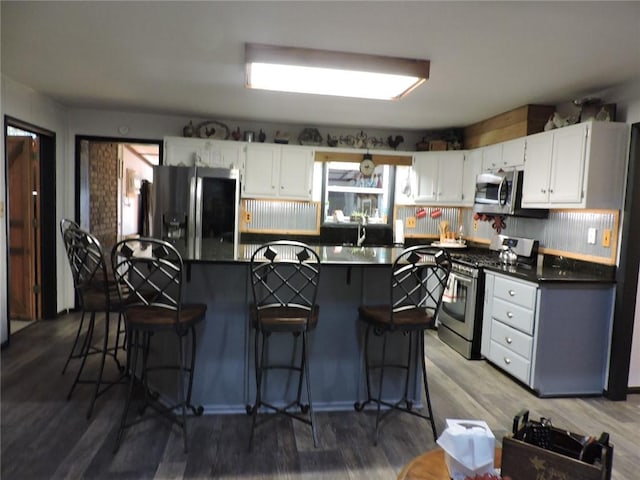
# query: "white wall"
{"points": [[130, 204], [27, 105], [629, 96]]}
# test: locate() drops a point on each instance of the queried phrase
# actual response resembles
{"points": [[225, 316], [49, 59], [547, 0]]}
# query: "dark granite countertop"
{"points": [[557, 269], [553, 269]]}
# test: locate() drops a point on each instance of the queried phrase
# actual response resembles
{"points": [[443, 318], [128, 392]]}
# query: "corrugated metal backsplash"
{"points": [[563, 231], [426, 225], [269, 216]]}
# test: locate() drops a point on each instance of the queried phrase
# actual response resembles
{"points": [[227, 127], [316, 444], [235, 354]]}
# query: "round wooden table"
{"points": [[430, 466]]}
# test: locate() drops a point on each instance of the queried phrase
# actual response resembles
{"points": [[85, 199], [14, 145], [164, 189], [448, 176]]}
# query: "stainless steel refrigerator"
{"points": [[195, 205]]}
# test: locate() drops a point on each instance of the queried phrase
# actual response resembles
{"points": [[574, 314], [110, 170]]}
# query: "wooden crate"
{"points": [[516, 123], [522, 461]]}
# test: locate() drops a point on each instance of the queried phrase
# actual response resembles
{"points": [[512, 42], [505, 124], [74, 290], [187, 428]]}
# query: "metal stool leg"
{"points": [[103, 356], [133, 348], [380, 385], [181, 396], [199, 410], [358, 406], [85, 353], [308, 380], [75, 345], [260, 358], [426, 386]]}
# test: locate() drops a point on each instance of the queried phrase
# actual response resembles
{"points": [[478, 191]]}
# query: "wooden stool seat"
{"points": [[430, 466]]}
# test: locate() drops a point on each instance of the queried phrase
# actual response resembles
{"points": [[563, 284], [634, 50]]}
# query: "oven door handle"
{"points": [[467, 281]]}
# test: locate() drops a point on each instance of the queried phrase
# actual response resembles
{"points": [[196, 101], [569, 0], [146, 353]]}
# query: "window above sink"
{"points": [[349, 194]]}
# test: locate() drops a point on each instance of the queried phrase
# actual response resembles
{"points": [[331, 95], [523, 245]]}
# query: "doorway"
{"points": [[111, 175], [29, 159]]}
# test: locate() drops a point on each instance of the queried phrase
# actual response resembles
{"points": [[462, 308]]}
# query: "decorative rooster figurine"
{"points": [[394, 142]]}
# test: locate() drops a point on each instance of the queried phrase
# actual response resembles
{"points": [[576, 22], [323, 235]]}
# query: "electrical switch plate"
{"points": [[247, 217], [606, 237], [1, 209], [591, 236], [410, 222]]}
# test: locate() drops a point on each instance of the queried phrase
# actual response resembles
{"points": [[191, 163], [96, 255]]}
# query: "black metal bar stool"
{"points": [[418, 279], [284, 280], [149, 275], [95, 294]]}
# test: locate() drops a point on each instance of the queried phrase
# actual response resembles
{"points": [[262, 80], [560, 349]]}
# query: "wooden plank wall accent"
{"points": [[356, 157], [516, 123]]}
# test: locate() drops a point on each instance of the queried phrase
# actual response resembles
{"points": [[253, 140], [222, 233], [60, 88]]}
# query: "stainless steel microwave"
{"points": [[500, 193]]}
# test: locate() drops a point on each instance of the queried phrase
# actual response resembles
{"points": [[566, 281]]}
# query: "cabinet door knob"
{"points": [[507, 360], [509, 315], [551, 190], [543, 190], [508, 340], [511, 293]]}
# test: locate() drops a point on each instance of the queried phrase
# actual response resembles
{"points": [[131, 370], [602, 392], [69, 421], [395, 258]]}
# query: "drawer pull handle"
{"points": [[511, 293], [507, 360], [508, 340], [509, 315]]}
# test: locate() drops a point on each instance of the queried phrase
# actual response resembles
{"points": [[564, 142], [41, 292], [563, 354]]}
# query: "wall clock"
{"points": [[367, 166]]}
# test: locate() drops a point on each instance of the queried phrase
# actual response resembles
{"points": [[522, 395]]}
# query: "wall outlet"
{"points": [[475, 225], [606, 237], [410, 222], [247, 217], [591, 236], [1, 209]]}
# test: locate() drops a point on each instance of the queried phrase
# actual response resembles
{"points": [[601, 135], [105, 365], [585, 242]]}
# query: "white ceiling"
{"points": [[186, 58]]}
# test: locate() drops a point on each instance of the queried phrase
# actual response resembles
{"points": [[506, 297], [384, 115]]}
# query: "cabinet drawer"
{"points": [[510, 362], [513, 315], [515, 292], [512, 339]]}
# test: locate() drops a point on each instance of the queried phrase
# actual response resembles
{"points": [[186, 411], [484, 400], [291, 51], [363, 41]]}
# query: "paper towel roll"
{"points": [[398, 232]]}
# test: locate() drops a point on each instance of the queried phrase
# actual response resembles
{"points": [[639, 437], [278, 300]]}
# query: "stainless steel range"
{"points": [[460, 317]]}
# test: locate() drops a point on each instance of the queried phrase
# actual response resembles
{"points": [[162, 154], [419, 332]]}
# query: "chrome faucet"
{"points": [[362, 231]]}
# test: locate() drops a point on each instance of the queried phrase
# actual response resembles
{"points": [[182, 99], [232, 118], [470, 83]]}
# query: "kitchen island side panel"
{"points": [[572, 342], [220, 383], [224, 374]]}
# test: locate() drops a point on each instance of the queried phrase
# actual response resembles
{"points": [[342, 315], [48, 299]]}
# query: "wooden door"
{"points": [[24, 211]]}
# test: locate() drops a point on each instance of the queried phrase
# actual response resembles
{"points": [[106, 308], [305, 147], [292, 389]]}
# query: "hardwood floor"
{"points": [[45, 436]]}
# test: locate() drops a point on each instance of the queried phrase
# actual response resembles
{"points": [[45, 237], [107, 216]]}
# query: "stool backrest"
{"points": [[285, 274], [87, 262], [419, 278], [148, 273]]}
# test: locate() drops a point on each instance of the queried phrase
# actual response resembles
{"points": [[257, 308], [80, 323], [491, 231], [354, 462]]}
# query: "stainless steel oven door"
{"points": [[458, 313]]}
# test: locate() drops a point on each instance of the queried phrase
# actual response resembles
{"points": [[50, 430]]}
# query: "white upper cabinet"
{"points": [[278, 171], [505, 155], [438, 177], [580, 166], [472, 168], [202, 152]]}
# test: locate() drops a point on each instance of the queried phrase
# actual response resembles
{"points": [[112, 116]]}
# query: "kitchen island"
{"points": [[217, 274]]}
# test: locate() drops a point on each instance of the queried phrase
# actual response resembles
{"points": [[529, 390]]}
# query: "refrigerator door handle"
{"points": [[195, 207]]}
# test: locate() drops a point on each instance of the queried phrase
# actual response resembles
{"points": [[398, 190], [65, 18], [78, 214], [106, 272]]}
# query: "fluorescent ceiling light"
{"points": [[303, 70]]}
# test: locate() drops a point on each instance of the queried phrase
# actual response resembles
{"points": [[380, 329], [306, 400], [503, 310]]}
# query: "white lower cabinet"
{"points": [[551, 336]]}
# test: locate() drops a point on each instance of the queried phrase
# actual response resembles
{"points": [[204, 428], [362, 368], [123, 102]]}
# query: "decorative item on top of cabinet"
{"points": [[394, 142], [212, 129], [189, 130], [262, 136], [236, 134], [310, 136], [281, 137]]}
